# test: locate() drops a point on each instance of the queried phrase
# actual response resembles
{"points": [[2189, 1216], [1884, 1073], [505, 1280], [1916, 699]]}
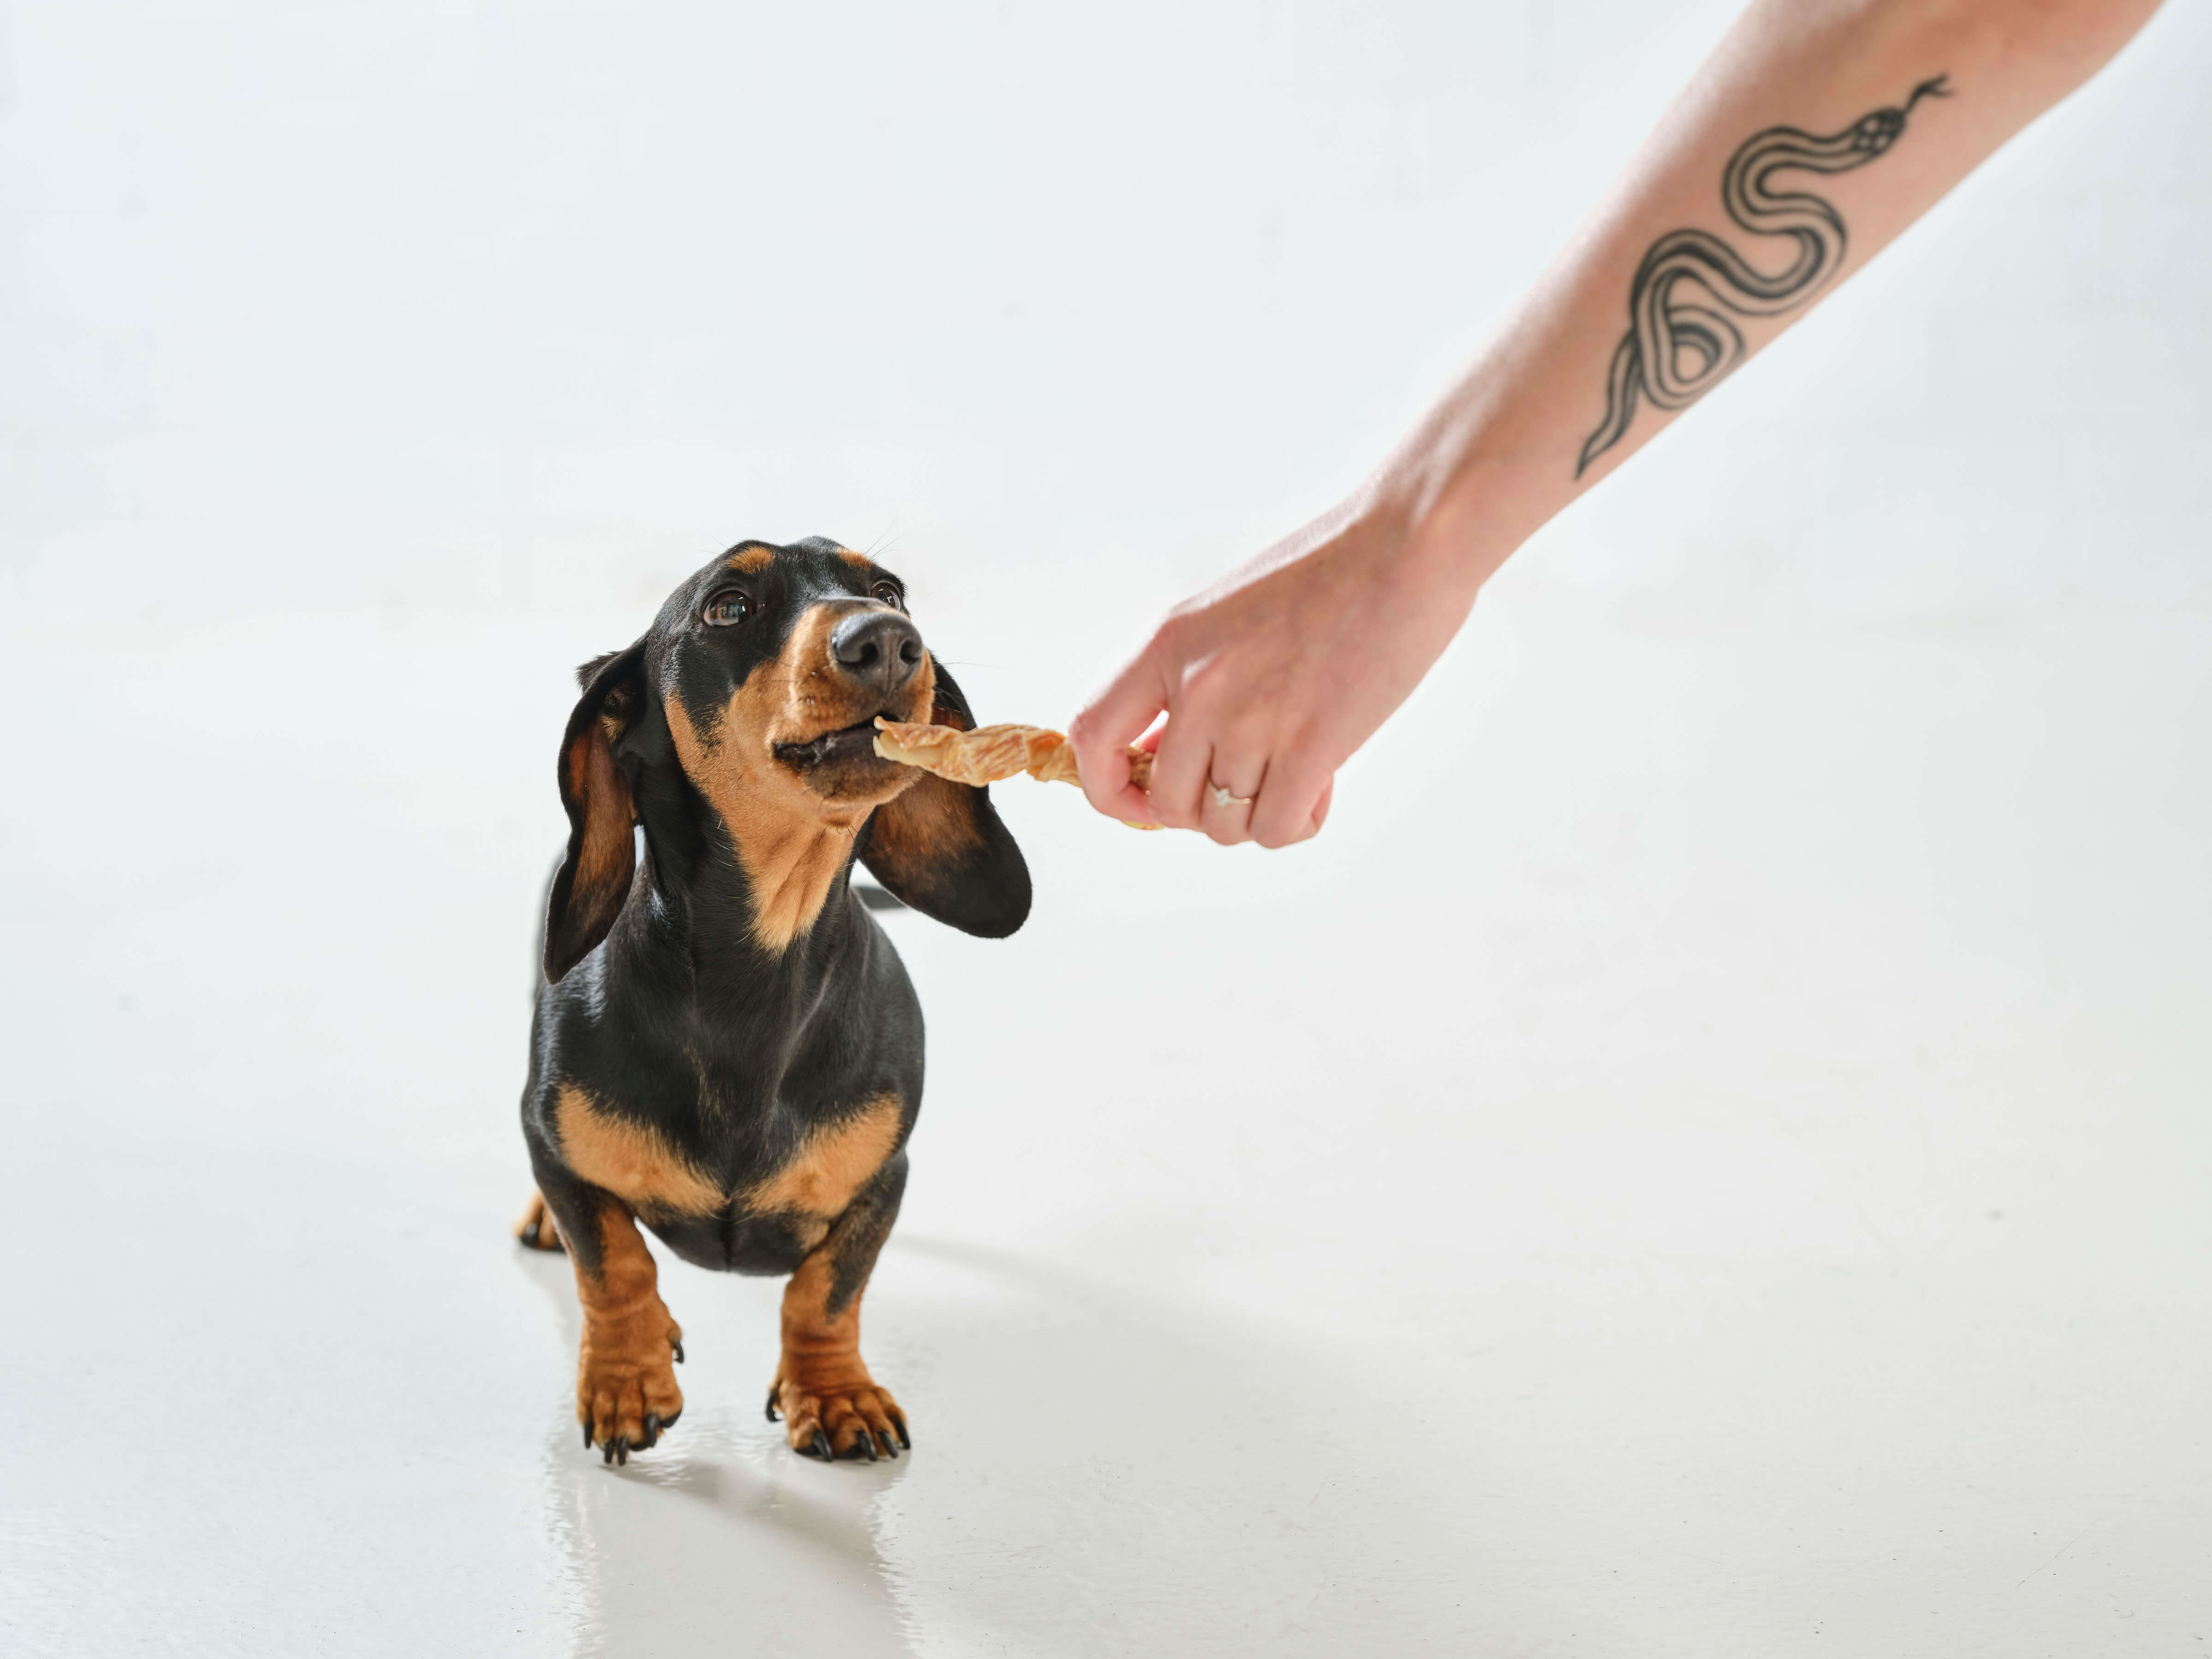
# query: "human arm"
{"points": [[1815, 133]]}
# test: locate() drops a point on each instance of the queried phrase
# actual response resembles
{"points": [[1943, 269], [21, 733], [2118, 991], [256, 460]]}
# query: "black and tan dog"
{"points": [[727, 1048]]}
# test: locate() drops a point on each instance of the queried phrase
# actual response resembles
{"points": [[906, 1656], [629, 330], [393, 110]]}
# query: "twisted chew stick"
{"points": [[991, 752]]}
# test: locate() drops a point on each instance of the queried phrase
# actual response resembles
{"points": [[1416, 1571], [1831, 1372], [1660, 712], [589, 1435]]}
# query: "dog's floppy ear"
{"points": [[941, 847], [594, 877]]}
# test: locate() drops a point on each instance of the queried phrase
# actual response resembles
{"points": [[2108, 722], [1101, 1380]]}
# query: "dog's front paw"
{"points": [[626, 1392], [842, 1419]]}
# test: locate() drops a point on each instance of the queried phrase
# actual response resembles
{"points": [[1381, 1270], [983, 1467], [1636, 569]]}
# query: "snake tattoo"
{"points": [[1676, 350]]}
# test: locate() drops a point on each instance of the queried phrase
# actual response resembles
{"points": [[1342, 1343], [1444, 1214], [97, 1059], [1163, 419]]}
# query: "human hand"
{"points": [[1273, 677]]}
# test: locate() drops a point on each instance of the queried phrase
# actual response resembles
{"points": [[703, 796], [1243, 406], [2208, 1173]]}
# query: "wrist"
{"points": [[1444, 530]]}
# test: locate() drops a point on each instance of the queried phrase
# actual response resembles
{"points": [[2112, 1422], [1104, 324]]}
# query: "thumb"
{"points": [[1102, 730]]}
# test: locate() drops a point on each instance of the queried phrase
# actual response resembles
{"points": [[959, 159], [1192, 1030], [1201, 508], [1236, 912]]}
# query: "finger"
{"points": [[1320, 806], [1102, 730], [1179, 769], [1286, 813], [1225, 825], [1320, 815], [1229, 822]]}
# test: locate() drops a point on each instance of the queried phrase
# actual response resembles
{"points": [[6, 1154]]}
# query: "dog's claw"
{"points": [[530, 1235], [587, 1437], [774, 1415], [679, 1345], [899, 1423], [819, 1447], [607, 1451], [652, 1431], [864, 1444]]}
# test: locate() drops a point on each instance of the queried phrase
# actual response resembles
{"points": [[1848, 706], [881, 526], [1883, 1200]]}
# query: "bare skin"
{"points": [[1273, 677]]}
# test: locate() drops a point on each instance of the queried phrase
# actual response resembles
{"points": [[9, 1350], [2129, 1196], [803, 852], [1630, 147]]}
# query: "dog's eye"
{"points": [[727, 609], [889, 594]]}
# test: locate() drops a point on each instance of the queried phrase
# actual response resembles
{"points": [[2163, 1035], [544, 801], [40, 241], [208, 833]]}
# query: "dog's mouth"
{"points": [[848, 743]]}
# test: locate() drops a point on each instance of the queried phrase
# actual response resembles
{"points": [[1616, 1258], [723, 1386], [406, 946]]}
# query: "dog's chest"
{"points": [[734, 1242], [771, 1220]]}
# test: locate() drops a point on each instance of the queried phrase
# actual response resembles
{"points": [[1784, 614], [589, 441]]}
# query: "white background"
{"points": [[1707, 1154]]}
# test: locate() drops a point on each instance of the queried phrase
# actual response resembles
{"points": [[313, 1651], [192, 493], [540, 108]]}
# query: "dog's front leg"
{"points": [[626, 1392], [830, 1407]]}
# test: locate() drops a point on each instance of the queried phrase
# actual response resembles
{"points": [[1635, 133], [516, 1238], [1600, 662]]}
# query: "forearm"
{"points": [[1797, 153], [1818, 131]]}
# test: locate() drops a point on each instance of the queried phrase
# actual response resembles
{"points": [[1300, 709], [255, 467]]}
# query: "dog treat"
{"points": [[991, 752]]}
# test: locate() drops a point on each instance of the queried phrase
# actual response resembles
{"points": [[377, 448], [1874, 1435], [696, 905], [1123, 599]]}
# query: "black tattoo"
{"points": [[1675, 351]]}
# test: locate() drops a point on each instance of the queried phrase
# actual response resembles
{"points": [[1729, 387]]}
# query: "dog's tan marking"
{"points": [[790, 852], [821, 1384], [932, 826], [792, 839], [628, 1159], [624, 1371], [858, 560], [832, 1164], [605, 859], [746, 560]]}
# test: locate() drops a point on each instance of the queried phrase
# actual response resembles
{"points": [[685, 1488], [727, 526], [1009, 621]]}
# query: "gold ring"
{"points": [[1223, 798]]}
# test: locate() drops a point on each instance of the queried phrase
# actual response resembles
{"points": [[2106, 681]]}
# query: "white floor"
{"points": [[1711, 1159]]}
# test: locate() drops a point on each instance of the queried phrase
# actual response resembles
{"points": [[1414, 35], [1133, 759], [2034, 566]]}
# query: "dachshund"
{"points": [[726, 1048]]}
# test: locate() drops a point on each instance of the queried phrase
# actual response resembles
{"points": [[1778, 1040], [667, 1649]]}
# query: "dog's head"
{"points": [[755, 693]]}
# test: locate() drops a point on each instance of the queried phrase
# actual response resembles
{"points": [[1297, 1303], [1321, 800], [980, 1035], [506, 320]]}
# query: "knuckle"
{"points": [[1083, 730], [1209, 694]]}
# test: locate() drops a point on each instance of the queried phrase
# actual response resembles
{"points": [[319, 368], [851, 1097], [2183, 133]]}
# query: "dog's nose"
{"points": [[880, 648]]}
